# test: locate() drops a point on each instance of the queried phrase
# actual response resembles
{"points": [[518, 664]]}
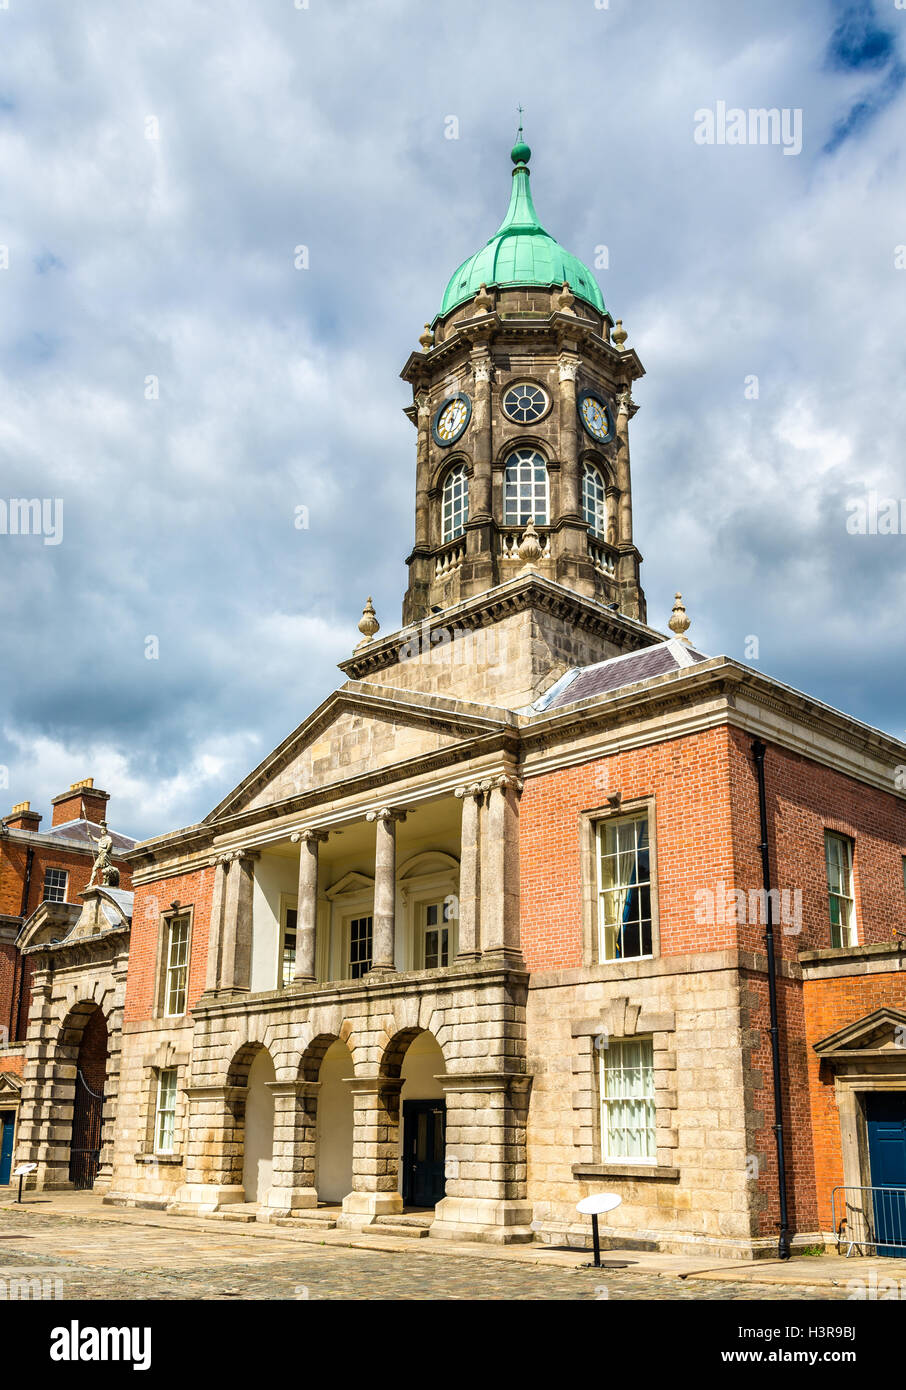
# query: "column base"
{"points": [[200, 1197], [361, 1208], [475, 1218], [283, 1201]]}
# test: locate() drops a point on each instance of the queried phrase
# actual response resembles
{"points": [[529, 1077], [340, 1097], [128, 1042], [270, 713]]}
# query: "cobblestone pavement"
{"points": [[97, 1260]]}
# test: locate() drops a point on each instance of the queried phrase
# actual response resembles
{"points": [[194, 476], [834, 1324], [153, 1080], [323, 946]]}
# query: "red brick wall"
{"points": [[93, 1051], [8, 970], [829, 1006], [193, 890], [804, 799], [690, 779]]}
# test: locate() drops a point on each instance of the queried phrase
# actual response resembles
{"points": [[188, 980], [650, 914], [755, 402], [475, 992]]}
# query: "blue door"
{"points": [[885, 1113], [7, 1124]]}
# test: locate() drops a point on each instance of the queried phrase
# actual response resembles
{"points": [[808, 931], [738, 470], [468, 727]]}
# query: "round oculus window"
{"points": [[524, 403]]}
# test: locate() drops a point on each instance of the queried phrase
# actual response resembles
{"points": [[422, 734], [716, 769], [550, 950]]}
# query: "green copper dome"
{"points": [[521, 252]]}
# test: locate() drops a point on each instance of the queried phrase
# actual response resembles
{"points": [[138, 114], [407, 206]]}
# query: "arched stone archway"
{"points": [[258, 1132], [423, 1122], [86, 1131], [335, 1126]]}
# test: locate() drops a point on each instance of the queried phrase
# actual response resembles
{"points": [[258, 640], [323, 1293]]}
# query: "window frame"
{"points": [[174, 919], [289, 902], [163, 939], [54, 869], [599, 532], [853, 925], [160, 1110], [589, 822], [601, 828], [514, 460], [523, 384], [458, 471], [606, 1103], [361, 915]]}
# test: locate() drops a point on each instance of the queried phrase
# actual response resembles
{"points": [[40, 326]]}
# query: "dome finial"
{"points": [[520, 153]]}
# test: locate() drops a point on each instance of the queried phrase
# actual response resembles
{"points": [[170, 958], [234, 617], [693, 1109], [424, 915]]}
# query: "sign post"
{"points": [[22, 1173], [593, 1206]]}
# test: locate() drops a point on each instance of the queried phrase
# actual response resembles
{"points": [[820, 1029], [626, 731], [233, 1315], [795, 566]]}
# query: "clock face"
{"points": [[451, 419], [595, 416]]}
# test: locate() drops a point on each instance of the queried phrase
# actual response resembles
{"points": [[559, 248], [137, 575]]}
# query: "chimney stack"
{"points": [[83, 801], [22, 817]]}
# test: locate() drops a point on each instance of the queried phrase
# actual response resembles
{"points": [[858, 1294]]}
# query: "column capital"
{"points": [[506, 781], [469, 789], [232, 856], [309, 837], [568, 365], [386, 813]]}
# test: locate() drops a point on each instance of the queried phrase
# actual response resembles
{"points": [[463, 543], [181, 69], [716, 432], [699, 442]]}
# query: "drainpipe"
{"points": [[29, 860], [14, 1030], [783, 1249]]}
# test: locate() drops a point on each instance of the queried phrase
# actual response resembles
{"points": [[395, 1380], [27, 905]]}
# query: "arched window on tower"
{"points": [[594, 498], [455, 502], [525, 490]]}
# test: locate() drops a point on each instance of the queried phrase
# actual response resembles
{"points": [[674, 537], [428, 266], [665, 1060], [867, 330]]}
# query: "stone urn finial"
{"points": [[620, 335], [483, 303], [566, 299], [368, 623], [530, 551], [427, 338], [680, 622]]}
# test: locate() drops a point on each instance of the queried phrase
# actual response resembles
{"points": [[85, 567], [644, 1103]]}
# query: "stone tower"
{"points": [[521, 399]]}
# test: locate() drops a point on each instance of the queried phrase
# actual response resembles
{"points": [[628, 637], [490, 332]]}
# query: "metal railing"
{"points": [[874, 1216]]}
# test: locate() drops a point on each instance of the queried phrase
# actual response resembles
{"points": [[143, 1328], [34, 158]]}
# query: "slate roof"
{"points": [[584, 682], [87, 832]]}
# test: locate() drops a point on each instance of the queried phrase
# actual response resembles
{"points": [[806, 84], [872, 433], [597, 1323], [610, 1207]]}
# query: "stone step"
{"points": [[310, 1219], [415, 1227]]}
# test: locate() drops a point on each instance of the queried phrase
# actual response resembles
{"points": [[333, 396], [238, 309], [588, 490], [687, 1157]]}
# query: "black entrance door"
{"points": [[424, 1125], [85, 1150]]}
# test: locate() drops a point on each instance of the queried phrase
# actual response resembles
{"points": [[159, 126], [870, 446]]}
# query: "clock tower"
{"points": [[522, 402]]}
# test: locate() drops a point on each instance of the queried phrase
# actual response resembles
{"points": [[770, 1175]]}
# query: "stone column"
{"points": [[422, 464], [624, 410], [308, 841], [472, 797], [295, 1143], [220, 865], [485, 1196], [500, 871], [215, 1116], [375, 1152], [236, 956], [384, 927], [569, 440], [481, 437]]}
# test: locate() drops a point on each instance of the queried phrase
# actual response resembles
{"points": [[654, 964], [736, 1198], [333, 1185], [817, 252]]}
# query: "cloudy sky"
{"points": [[168, 372]]}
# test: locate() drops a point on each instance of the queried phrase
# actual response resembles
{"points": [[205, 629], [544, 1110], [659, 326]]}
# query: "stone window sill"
{"points": [[641, 1171], [158, 1158]]}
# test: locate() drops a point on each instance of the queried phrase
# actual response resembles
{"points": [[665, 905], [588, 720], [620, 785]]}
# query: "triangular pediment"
{"points": [[10, 1083], [883, 1031], [358, 731]]}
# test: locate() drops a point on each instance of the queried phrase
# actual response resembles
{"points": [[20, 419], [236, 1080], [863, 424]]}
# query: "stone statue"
{"points": [[109, 874]]}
